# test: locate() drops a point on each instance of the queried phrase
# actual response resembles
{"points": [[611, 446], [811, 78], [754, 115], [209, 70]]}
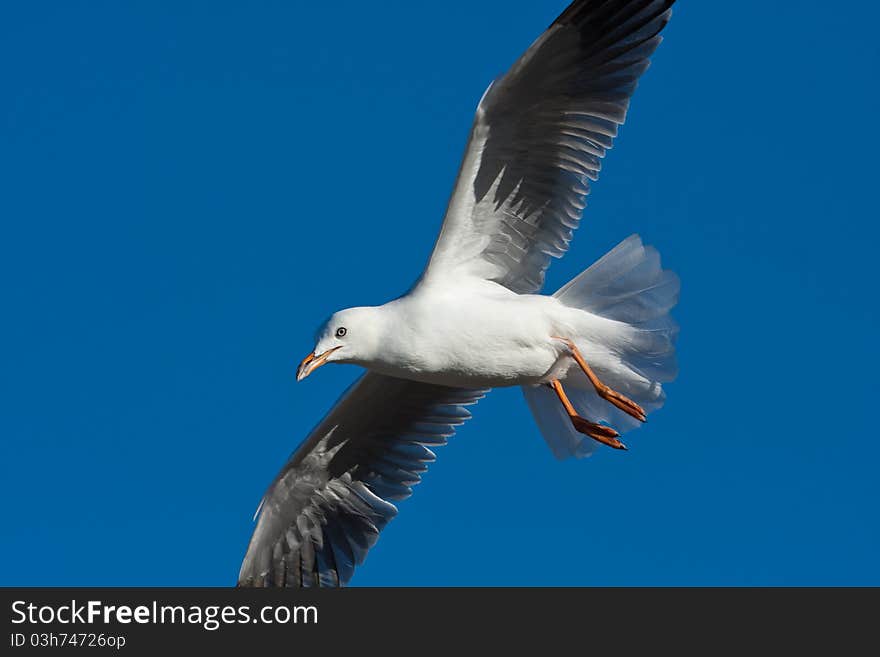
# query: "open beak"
{"points": [[311, 362]]}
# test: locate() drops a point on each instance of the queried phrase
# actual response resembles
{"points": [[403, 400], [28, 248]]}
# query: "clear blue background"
{"points": [[188, 189]]}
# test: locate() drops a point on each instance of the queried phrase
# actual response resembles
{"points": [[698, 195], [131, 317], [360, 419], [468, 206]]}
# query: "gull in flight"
{"points": [[590, 358]]}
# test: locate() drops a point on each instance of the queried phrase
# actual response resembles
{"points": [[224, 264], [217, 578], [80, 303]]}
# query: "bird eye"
{"points": [[341, 331]]}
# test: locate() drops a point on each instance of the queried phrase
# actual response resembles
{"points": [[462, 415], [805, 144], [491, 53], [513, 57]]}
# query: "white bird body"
{"points": [[476, 337], [478, 334]]}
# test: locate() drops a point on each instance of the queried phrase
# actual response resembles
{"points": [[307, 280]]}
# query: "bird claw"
{"points": [[624, 403], [598, 432]]}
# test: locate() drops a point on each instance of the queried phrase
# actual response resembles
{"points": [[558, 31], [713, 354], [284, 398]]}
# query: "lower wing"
{"points": [[326, 507]]}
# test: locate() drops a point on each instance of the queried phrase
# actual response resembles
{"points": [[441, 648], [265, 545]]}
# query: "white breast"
{"points": [[487, 337]]}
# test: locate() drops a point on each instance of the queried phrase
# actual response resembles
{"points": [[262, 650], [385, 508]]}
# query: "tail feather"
{"points": [[627, 285]]}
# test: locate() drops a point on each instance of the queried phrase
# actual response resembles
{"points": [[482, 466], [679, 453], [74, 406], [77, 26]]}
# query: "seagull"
{"points": [[590, 358]]}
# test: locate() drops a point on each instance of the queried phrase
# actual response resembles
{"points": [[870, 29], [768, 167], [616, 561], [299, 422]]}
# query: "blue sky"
{"points": [[190, 189]]}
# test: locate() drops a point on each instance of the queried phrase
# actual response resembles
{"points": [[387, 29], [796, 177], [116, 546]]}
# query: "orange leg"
{"points": [[622, 402], [599, 432]]}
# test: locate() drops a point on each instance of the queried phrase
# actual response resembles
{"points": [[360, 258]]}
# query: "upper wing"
{"points": [[328, 504], [538, 137]]}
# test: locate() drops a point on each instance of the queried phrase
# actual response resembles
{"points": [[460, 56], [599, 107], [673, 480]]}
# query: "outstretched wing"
{"points": [[326, 507], [538, 138]]}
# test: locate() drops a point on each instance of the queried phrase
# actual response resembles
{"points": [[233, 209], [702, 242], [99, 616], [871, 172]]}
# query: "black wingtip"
{"points": [[581, 10]]}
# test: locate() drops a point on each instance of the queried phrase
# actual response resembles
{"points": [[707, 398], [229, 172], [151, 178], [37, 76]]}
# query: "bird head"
{"points": [[349, 336]]}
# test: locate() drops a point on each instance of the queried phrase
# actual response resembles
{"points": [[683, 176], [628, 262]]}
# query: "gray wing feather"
{"points": [[326, 507], [538, 138]]}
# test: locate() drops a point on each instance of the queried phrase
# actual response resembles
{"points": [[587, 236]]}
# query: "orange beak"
{"points": [[311, 362]]}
